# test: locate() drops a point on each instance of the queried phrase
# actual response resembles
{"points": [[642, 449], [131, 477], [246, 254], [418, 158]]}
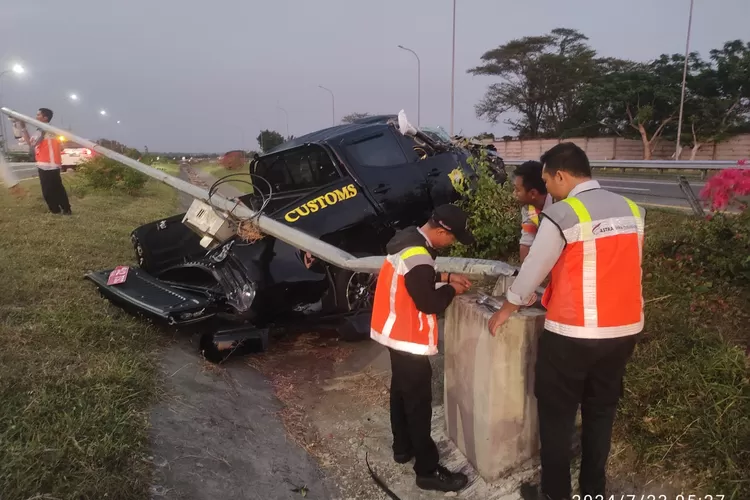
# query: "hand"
{"points": [[497, 320], [458, 287], [461, 280], [532, 300]]}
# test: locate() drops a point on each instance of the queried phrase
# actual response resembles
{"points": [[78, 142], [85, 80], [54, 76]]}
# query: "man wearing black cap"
{"points": [[408, 297]]}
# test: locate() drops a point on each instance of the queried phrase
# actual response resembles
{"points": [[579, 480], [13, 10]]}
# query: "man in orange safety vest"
{"points": [[49, 162], [591, 241], [408, 296]]}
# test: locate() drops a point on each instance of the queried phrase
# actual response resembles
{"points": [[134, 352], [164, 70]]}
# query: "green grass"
{"points": [[170, 168], [687, 403], [77, 376], [217, 172]]}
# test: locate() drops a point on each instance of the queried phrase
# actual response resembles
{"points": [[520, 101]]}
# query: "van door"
{"points": [[396, 184]]}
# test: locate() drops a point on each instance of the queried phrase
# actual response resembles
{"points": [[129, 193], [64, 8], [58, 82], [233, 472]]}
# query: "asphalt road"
{"points": [[648, 191], [651, 191]]}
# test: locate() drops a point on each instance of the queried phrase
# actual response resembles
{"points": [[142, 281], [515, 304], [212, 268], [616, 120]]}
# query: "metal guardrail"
{"points": [[656, 165], [294, 237]]}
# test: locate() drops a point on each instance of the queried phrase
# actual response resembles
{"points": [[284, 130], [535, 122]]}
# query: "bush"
{"points": [[494, 215], [101, 173]]}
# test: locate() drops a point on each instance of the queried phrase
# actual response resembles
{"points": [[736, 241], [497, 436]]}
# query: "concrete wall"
{"points": [[490, 408], [617, 148]]}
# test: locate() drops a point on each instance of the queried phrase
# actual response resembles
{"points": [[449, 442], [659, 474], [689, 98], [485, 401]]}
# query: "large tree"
{"points": [[542, 79], [636, 99], [717, 103], [353, 117], [269, 139]]}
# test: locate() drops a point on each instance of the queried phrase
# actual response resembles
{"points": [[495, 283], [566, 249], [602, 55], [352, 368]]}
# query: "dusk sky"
{"points": [[206, 76]]}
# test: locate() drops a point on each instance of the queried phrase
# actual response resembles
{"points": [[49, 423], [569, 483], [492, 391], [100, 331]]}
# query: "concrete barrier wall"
{"points": [[490, 408], [618, 148]]}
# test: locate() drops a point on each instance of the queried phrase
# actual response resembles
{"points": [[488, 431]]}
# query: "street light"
{"points": [[103, 112], [684, 78], [333, 105], [118, 122], [73, 97], [453, 64], [19, 70], [287, 119], [419, 82]]}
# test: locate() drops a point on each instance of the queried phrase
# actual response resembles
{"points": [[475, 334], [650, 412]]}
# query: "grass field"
{"points": [[217, 171], [687, 404], [170, 168], [76, 375]]}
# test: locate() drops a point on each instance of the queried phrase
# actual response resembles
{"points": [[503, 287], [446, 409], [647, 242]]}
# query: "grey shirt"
{"points": [[543, 255]]}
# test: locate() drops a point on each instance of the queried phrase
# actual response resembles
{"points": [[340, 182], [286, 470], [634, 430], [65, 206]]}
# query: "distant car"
{"points": [[72, 156], [350, 185]]}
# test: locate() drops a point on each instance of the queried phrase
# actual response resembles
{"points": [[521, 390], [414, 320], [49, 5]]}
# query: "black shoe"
{"points": [[402, 458], [530, 491], [442, 480], [67, 212]]}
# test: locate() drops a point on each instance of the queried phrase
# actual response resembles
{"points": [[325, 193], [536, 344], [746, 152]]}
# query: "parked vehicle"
{"points": [[350, 185], [72, 155]]}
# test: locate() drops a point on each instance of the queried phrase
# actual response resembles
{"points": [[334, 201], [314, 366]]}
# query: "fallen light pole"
{"points": [[294, 237]]}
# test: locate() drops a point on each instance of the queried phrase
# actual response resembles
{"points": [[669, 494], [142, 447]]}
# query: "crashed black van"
{"points": [[350, 185]]}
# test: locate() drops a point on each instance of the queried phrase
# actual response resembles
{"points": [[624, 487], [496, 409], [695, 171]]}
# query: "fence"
{"points": [[618, 148]]}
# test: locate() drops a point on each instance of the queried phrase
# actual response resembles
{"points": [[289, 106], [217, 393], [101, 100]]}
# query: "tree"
{"points": [[352, 117], [717, 103], [269, 139], [542, 80], [635, 99], [118, 147]]}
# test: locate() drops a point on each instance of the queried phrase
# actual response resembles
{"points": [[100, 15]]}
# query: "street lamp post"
{"points": [[333, 105], [684, 79], [453, 65], [287, 119], [17, 69], [419, 83]]}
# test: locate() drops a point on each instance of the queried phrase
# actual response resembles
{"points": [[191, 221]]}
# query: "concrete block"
{"points": [[502, 285], [490, 408]]}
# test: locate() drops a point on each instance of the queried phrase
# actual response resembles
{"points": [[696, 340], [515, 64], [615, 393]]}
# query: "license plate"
{"points": [[118, 275]]}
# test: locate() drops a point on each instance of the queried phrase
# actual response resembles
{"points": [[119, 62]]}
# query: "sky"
{"points": [[207, 76]]}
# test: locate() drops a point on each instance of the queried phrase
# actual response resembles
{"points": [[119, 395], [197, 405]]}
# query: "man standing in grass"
{"points": [[49, 162]]}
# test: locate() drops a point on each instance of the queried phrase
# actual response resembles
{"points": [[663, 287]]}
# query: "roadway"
{"points": [[647, 191], [651, 191]]}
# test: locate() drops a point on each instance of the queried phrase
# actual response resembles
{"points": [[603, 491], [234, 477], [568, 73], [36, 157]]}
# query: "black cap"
{"points": [[453, 219]]}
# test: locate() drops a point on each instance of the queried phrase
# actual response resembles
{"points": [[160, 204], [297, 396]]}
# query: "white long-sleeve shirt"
{"points": [[543, 255]]}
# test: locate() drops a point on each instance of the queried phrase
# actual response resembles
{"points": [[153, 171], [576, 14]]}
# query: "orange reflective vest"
{"points": [[396, 321], [595, 287], [47, 153]]}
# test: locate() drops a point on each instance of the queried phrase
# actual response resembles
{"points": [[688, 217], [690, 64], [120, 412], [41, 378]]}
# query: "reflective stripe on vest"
{"points": [[534, 218], [595, 290], [396, 321]]}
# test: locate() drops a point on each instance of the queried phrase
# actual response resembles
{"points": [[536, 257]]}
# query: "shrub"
{"points": [[494, 215], [729, 188], [101, 173]]}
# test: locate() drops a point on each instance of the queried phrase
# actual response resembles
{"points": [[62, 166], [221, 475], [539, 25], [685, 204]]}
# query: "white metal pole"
{"points": [[684, 79], [453, 66], [419, 83], [333, 105]]}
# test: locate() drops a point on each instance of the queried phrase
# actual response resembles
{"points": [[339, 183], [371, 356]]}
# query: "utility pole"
{"points": [[333, 105], [684, 79], [419, 83], [453, 66]]}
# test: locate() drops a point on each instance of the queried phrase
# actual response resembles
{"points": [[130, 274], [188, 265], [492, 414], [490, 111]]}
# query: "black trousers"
{"points": [[53, 191], [572, 372], [411, 410]]}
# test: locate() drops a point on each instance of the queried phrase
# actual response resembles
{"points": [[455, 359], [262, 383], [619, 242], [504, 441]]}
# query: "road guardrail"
{"points": [[658, 165]]}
